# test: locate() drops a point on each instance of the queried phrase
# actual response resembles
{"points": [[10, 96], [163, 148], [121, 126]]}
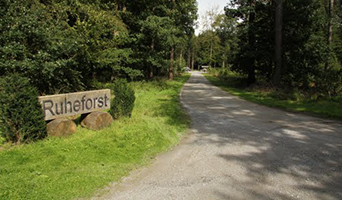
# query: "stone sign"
{"points": [[63, 105]]}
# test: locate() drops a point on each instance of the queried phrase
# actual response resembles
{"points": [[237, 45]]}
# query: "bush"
{"points": [[214, 71], [2, 140], [62, 45], [224, 74], [123, 102], [21, 116]]}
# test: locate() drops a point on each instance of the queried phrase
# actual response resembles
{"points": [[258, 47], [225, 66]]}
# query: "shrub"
{"points": [[62, 45], [21, 116], [2, 140], [224, 74], [123, 102], [214, 71]]}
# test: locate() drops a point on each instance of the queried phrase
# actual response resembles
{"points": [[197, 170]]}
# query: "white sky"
{"points": [[205, 5]]}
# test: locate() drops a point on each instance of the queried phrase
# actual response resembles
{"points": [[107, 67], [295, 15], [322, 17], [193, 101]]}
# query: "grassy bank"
{"points": [[79, 165], [330, 108]]}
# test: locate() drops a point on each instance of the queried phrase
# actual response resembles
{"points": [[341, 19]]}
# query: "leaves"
{"points": [[21, 116], [305, 47]]}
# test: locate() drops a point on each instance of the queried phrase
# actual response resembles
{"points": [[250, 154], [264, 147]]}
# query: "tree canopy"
{"points": [[67, 45], [306, 35]]}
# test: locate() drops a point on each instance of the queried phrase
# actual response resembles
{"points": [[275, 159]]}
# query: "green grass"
{"points": [[80, 165], [323, 108]]}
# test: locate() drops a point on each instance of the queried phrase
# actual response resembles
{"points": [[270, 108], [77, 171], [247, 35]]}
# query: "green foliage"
{"points": [[292, 100], [156, 27], [63, 45], [79, 166], [223, 74], [180, 65], [213, 71], [215, 45], [31, 46], [210, 52], [309, 61], [2, 140], [154, 35], [124, 97], [231, 78], [327, 84], [21, 116]]}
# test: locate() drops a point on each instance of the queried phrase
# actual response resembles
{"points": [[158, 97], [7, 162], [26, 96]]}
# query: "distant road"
{"points": [[240, 150]]}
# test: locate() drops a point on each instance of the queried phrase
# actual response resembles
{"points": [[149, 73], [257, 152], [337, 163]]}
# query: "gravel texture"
{"points": [[241, 150]]}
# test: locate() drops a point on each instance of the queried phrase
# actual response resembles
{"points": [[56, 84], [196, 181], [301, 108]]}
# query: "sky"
{"points": [[205, 5]]}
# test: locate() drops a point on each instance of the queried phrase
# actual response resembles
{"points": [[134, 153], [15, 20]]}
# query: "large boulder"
{"points": [[61, 127], [97, 120]]}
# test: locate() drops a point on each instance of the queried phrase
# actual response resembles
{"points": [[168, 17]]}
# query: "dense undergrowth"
{"points": [[288, 99]]}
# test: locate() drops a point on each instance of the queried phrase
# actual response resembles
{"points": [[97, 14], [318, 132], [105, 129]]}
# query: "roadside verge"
{"points": [[79, 165]]}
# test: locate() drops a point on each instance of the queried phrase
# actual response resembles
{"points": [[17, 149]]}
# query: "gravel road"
{"points": [[241, 150]]}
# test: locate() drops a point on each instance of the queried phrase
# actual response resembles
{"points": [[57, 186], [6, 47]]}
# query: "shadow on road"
{"points": [[283, 155]]}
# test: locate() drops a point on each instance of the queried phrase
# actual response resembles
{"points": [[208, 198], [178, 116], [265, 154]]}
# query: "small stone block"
{"points": [[97, 120], [61, 127]]}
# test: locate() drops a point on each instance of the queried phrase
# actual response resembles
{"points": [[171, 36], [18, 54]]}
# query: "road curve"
{"points": [[241, 150]]}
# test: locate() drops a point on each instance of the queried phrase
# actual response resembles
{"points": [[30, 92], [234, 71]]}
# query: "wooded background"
{"points": [[69, 45], [293, 44]]}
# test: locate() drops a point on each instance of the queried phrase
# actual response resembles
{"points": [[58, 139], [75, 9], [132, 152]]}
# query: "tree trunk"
{"points": [[278, 42], [171, 63], [211, 52], [330, 31], [193, 59], [189, 57], [180, 58], [251, 39], [171, 68], [151, 67], [251, 76]]}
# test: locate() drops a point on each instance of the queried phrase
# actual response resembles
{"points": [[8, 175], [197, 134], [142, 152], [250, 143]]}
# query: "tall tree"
{"points": [[278, 42], [330, 30], [244, 10]]}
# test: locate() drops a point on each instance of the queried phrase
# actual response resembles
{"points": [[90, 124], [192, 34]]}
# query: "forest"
{"points": [[69, 45], [293, 45]]}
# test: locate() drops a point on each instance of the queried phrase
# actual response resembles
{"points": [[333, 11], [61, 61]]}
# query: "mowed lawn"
{"points": [[80, 165]]}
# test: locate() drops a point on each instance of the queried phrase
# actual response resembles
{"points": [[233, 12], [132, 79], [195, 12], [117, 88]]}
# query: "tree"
{"points": [[62, 46], [278, 41], [153, 55], [184, 14], [244, 10]]}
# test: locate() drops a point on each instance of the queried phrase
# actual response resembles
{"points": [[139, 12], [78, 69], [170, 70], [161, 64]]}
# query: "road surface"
{"points": [[241, 150]]}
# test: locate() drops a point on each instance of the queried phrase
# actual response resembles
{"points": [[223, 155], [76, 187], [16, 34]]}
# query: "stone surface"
{"points": [[97, 120], [61, 127], [63, 105]]}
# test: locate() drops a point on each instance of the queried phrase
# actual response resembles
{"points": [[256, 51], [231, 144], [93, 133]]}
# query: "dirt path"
{"points": [[241, 150]]}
